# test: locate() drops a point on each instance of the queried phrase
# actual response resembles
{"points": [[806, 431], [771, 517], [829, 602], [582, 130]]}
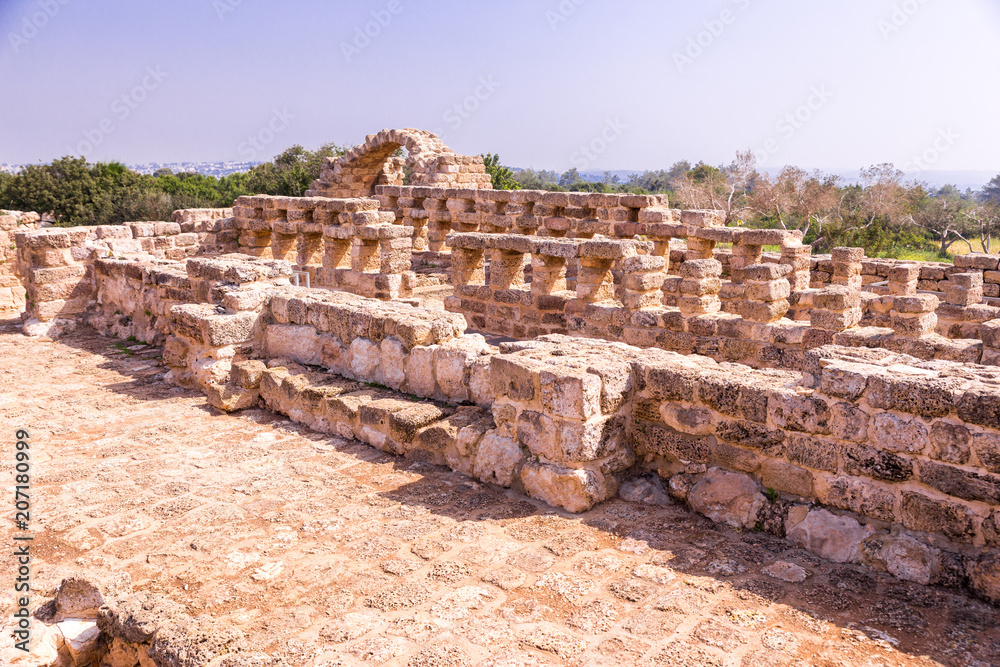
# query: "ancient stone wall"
{"points": [[348, 244], [12, 293], [56, 264]]}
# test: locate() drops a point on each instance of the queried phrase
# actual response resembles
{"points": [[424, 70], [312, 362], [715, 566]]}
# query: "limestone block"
{"points": [[985, 577], [787, 478], [730, 498], [703, 218], [498, 460], [392, 362], [763, 311], [230, 397], [894, 433], [81, 640], [836, 538], [480, 390], [836, 298], [299, 343], [420, 378], [365, 360], [978, 261], [700, 269], [959, 296], [829, 320], [925, 514], [691, 306], [575, 490], [950, 442], [247, 374], [453, 363], [914, 325], [566, 392]]}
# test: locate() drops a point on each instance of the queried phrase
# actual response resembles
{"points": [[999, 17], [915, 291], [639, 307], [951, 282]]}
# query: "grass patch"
{"points": [[123, 348]]}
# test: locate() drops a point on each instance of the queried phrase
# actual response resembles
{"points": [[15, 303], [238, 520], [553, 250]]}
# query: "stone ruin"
{"points": [[560, 344], [11, 290]]}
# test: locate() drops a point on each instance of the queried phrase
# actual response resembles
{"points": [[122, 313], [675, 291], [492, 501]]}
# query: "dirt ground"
{"points": [[327, 552]]}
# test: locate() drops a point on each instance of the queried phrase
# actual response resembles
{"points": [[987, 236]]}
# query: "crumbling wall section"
{"points": [[57, 263], [360, 170], [12, 292]]}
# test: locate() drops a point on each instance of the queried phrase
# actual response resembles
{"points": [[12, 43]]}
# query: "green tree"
{"points": [[990, 194], [502, 177], [941, 214], [292, 172], [570, 177]]}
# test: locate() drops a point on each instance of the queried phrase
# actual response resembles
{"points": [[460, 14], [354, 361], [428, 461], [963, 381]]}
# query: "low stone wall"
{"points": [[12, 293], [685, 313], [932, 276], [902, 458], [57, 264]]}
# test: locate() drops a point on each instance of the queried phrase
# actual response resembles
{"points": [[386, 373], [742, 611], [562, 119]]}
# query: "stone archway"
{"points": [[361, 169]]}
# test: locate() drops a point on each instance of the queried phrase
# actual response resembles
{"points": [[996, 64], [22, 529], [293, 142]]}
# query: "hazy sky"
{"points": [[595, 84]]}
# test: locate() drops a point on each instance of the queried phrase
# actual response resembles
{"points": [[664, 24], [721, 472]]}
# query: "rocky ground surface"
{"points": [[325, 552]]}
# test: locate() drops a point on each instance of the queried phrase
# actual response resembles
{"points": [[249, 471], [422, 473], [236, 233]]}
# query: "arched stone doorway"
{"points": [[431, 163]]}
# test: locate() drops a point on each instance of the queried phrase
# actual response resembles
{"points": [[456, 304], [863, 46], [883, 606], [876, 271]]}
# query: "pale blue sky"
{"points": [[191, 80]]}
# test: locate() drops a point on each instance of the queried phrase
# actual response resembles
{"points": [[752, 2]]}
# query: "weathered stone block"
{"points": [[298, 343], [791, 411], [569, 393], [951, 443], [980, 405], [960, 483], [812, 452], [736, 458], [859, 496], [748, 434], [652, 439], [498, 460], [575, 490], [230, 397], [925, 514], [870, 462], [836, 538], [892, 433], [787, 478], [849, 422], [730, 498], [247, 374], [514, 377]]}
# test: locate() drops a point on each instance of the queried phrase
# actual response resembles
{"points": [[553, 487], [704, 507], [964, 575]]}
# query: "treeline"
{"points": [[883, 213], [75, 192]]}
